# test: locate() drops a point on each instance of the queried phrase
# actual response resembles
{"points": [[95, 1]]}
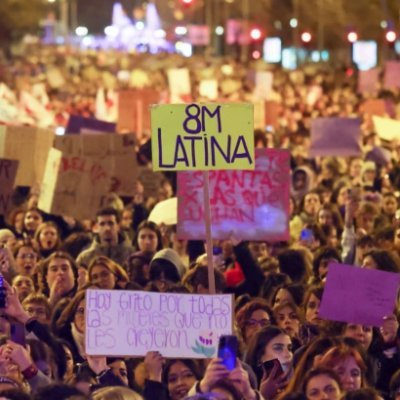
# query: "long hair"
{"points": [[68, 314], [110, 265], [153, 227]]}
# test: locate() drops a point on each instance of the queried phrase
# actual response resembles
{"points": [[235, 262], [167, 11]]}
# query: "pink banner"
{"points": [[199, 35], [368, 81], [248, 205]]}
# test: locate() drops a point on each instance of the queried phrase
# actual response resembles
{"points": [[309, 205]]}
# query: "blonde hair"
{"points": [[116, 393]]}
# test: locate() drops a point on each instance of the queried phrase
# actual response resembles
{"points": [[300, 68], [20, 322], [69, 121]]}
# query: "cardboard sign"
{"points": [[129, 323], [272, 113], [386, 128], [202, 137], [150, 180], [374, 107], [78, 124], [73, 185], [8, 172], [116, 152], [358, 295], [179, 85], [335, 137], [368, 81], [250, 205], [134, 110], [392, 75], [30, 146]]}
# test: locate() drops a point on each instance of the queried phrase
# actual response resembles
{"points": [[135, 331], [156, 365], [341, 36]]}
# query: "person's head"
{"points": [[323, 256], [389, 204], [43, 357], [311, 203], [322, 384], [382, 260], [225, 390], [126, 218], [394, 386], [348, 364], [59, 391], [288, 317], [16, 219], [367, 393], [180, 375], [164, 269], [328, 214], [196, 280], [24, 286], [47, 236], [59, 268], [138, 267], [384, 238], [362, 333], [148, 237], [115, 393], [366, 216], [105, 273], [26, 258], [364, 245], [272, 282], [37, 306], [312, 300], [368, 172], [267, 344], [252, 317], [119, 369], [258, 249], [355, 168], [74, 313], [8, 239], [292, 263], [107, 225], [32, 219], [293, 292], [14, 394]]}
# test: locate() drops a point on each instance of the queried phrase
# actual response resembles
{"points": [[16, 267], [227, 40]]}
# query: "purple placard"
{"points": [[392, 75], [358, 295], [368, 81], [78, 124], [335, 137]]}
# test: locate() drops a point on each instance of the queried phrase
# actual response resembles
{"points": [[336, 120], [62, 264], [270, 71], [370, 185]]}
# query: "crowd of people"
{"points": [[342, 210]]}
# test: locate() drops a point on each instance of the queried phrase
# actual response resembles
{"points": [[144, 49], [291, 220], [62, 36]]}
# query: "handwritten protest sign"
{"points": [[251, 205], [202, 137], [8, 172], [73, 185], [116, 152], [199, 35], [386, 128], [335, 137], [129, 323], [30, 147], [368, 81], [358, 295]]}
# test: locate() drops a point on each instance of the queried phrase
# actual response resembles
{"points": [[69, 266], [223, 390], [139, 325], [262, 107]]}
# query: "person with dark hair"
{"points": [[322, 383], [47, 237], [323, 256], [14, 394], [292, 263], [381, 260], [196, 279], [108, 240], [271, 284], [59, 391], [293, 292]]}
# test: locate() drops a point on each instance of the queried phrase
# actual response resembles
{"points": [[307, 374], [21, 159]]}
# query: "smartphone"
{"points": [[17, 333], [307, 235], [227, 351], [268, 366], [3, 293]]}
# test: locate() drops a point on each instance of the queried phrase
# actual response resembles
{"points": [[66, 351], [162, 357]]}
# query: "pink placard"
{"points": [[199, 35], [249, 205], [358, 295], [392, 75], [368, 81]]}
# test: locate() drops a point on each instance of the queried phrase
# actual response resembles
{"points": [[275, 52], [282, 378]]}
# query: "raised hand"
{"points": [[154, 363]]}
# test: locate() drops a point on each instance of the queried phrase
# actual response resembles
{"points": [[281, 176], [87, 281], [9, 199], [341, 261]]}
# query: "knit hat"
{"points": [[173, 257]]}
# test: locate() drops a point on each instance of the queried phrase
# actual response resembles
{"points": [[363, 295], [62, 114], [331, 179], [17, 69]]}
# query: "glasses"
{"points": [[255, 322]]}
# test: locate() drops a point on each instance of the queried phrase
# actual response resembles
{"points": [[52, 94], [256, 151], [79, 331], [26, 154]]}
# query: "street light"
{"points": [[306, 37], [352, 37], [391, 36]]}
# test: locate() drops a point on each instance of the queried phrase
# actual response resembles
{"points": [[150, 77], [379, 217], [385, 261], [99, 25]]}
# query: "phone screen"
{"points": [[227, 350], [18, 333], [268, 366], [307, 235]]}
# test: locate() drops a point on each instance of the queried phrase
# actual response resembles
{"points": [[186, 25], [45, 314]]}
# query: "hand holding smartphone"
{"points": [[273, 367], [227, 351]]}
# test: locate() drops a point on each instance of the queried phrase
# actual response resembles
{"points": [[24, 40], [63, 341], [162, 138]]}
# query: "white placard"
{"points": [[131, 323], [179, 83]]}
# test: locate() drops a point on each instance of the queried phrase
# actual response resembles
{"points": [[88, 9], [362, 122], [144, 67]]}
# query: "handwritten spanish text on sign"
{"points": [[129, 323], [202, 136], [8, 172], [251, 205], [358, 295]]}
